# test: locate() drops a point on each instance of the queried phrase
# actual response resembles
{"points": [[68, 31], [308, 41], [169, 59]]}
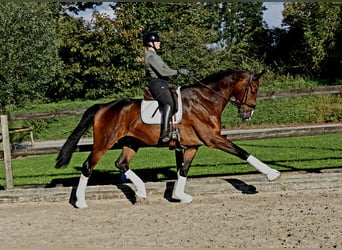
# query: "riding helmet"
{"points": [[151, 37]]}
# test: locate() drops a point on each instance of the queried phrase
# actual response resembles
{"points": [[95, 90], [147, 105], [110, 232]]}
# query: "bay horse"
{"points": [[119, 123]]}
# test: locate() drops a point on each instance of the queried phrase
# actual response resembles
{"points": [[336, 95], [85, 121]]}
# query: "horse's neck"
{"points": [[205, 97], [219, 93]]}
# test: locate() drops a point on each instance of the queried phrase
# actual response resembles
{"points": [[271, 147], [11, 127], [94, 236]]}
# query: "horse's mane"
{"points": [[215, 77]]}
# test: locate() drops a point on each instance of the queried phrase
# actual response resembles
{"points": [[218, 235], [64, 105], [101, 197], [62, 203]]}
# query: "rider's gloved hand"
{"points": [[184, 72]]}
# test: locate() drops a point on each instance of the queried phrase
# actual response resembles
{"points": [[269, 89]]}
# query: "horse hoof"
{"points": [[141, 201], [273, 175], [81, 204], [185, 198], [141, 194]]}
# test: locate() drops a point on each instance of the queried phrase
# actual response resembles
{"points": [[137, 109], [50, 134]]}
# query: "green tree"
{"points": [[100, 58], [193, 32], [28, 52], [87, 51], [186, 33], [313, 29], [240, 31]]}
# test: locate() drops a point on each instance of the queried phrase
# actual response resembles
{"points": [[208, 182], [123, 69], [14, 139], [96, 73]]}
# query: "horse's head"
{"points": [[244, 94]]}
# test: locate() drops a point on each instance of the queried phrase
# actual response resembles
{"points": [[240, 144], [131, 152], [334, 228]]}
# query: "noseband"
{"points": [[246, 89]]}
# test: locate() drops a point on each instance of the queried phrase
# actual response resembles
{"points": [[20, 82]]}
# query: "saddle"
{"points": [[150, 113], [148, 97]]}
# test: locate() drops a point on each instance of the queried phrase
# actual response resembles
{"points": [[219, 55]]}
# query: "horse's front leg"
{"points": [[183, 160], [270, 173], [229, 147]]}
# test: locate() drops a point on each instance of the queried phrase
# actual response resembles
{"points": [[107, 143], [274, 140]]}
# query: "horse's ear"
{"points": [[258, 76]]}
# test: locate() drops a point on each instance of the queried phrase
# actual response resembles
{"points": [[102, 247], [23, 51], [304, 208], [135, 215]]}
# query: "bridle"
{"points": [[233, 100], [246, 89]]}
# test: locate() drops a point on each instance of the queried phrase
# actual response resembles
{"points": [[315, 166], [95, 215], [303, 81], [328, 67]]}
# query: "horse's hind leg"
{"points": [[87, 169], [183, 160], [122, 164], [82, 185]]}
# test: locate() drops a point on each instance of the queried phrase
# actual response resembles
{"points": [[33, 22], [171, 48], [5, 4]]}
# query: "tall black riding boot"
{"points": [[165, 134]]}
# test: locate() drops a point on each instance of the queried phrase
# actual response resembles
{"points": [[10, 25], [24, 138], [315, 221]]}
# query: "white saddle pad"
{"points": [[150, 113]]}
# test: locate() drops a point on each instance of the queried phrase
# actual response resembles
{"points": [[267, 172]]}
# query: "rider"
{"points": [[159, 71]]}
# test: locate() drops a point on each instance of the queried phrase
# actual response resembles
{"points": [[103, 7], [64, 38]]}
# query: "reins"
{"points": [[233, 101], [204, 85]]}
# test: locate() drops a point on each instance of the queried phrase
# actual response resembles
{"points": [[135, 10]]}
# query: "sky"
{"points": [[272, 15]]}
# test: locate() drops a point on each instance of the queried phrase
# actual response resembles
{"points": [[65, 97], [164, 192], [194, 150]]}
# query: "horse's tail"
{"points": [[70, 145]]}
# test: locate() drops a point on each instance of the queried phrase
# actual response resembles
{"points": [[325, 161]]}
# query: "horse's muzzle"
{"points": [[245, 115]]}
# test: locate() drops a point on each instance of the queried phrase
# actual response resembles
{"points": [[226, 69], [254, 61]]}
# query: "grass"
{"points": [[310, 153]]}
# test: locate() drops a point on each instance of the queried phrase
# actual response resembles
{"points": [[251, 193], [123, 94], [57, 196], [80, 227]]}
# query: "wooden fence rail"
{"points": [[335, 89], [247, 134], [46, 115]]}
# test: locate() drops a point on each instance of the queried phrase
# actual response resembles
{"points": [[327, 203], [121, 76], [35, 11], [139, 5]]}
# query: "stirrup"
{"points": [[175, 134], [165, 137], [170, 135]]}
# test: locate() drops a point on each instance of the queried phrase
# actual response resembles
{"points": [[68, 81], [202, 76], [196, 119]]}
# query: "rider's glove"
{"points": [[184, 72]]}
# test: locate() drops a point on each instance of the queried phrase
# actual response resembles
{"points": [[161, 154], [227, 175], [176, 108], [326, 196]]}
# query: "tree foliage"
{"points": [[100, 58], [88, 53], [28, 51], [312, 39], [48, 54]]}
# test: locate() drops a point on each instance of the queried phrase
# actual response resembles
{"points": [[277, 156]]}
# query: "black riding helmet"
{"points": [[151, 37]]}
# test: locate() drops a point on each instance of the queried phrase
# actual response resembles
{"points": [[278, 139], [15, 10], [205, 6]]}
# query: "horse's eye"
{"points": [[254, 90]]}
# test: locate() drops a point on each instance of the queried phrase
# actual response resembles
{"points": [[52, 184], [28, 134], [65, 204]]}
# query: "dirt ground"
{"points": [[289, 218]]}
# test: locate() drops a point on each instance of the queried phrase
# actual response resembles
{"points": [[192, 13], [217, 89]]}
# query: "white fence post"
{"points": [[7, 151]]}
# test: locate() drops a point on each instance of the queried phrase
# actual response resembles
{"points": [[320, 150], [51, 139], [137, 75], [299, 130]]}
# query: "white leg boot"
{"points": [[139, 184], [270, 173], [179, 190], [80, 192]]}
